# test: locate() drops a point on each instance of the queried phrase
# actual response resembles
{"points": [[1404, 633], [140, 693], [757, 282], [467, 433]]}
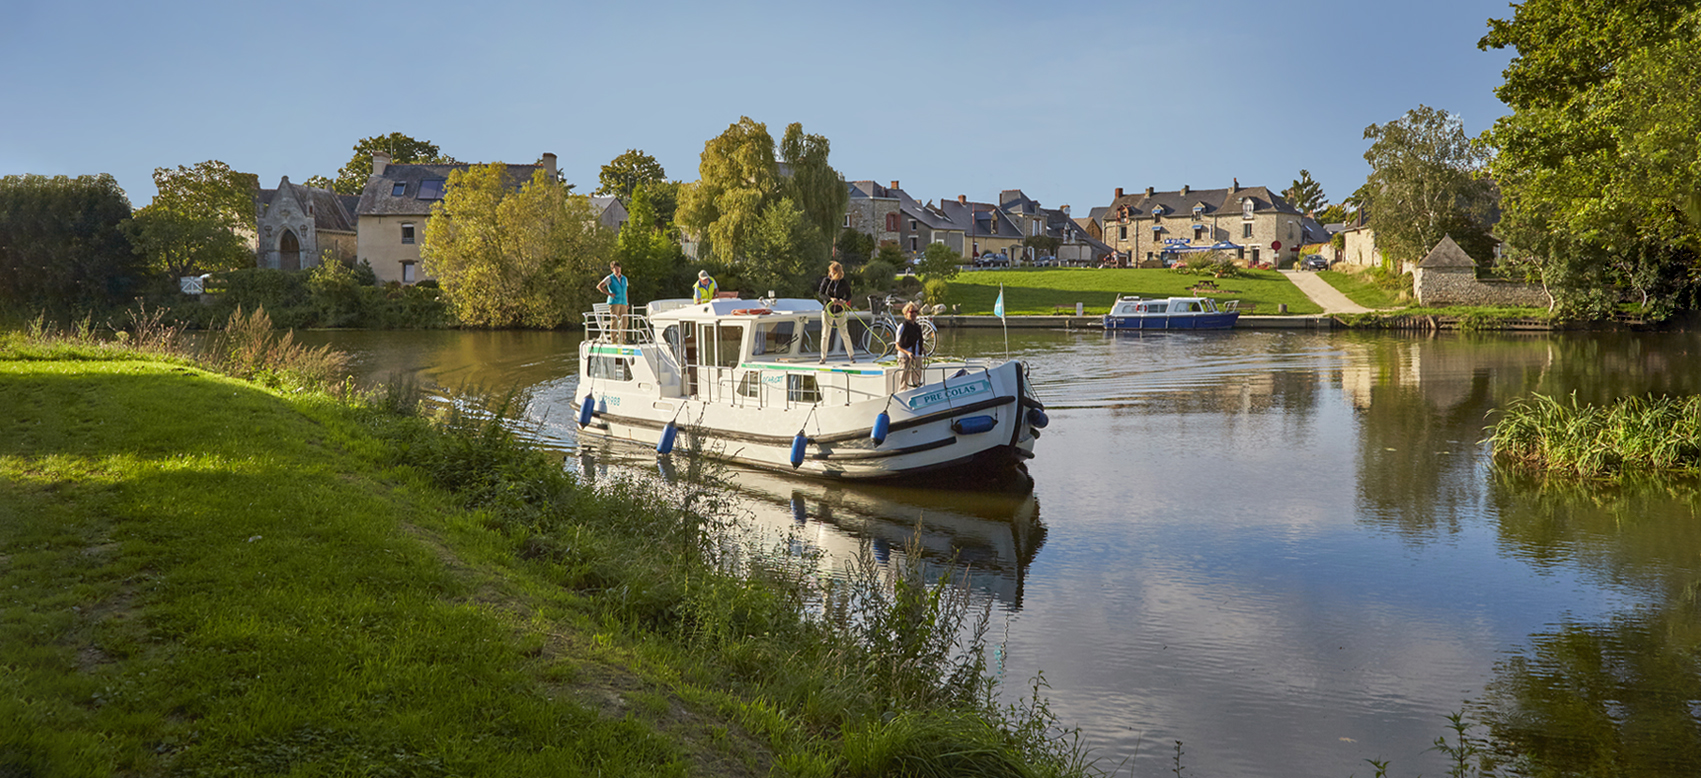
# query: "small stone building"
{"points": [[295, 226], [1448, 276]]}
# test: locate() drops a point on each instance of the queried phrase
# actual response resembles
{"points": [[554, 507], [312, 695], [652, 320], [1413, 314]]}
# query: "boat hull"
{"points": [[973, 425], [1179, 321]]}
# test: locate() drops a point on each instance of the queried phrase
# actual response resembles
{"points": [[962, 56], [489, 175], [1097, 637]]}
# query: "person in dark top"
{"points": [[835, 293], [909, 346]]}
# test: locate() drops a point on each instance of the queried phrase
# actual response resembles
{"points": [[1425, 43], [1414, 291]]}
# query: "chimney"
{"points": [[1065, 210], [380, 162], [1151, 190], [1119, 193], [1185, 189], [963, 199], [895, 185], [1236, 187], [549, 164]]}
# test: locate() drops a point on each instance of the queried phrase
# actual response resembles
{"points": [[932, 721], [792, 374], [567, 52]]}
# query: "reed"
{"points": [[1594, 442]]}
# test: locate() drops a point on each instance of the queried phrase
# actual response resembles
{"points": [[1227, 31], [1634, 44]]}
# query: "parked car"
{"points": [[1313, 262], [1046, 262], [992, 260]]}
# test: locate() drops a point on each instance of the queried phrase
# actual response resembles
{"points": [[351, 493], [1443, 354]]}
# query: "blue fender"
{"points": [[665, 445], [798, 444], [882, 423], [973, 425], [1037, 419], [586, 408]]}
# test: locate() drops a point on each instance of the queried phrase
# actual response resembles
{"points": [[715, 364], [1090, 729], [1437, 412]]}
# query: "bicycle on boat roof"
{"points": [[881, 337]]}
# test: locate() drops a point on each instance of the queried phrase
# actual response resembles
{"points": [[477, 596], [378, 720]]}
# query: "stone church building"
{"points": [[295, 226]]}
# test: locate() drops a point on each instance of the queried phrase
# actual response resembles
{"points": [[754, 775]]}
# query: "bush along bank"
{"points": [[329, 295], [208, 576]]}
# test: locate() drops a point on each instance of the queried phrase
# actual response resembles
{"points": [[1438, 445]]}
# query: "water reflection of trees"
{"points": [[1621, 696]]}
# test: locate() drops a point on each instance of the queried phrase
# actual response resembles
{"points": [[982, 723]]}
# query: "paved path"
{"points": [[1322, 293]]}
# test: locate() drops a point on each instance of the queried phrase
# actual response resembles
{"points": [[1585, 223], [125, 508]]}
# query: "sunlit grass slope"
{"points": [[1042, 291]]}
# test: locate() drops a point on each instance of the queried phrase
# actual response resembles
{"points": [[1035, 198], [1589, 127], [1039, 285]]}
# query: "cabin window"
{"points": [[728, 340], [751, 384], [611, 368], [1157, 307], [802, 389], [774, 338]]}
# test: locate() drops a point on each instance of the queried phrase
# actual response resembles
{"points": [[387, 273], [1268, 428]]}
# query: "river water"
{"points": [[1286, 549]]}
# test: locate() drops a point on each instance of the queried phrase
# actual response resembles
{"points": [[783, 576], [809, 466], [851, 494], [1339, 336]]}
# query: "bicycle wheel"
{"points": [[880, 339], [929, 338]]}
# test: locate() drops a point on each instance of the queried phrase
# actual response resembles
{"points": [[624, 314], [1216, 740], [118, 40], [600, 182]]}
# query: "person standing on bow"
{"points": [[704, 290], [614, 285], [835, 293], [909, 346]]}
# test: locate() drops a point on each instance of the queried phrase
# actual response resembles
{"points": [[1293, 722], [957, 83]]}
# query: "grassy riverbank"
{"points": [[1634, 435], [207, 575], [1032, 291]]}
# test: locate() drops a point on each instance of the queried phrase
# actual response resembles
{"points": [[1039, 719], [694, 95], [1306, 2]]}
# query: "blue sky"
{"points": [[1064, 100]]}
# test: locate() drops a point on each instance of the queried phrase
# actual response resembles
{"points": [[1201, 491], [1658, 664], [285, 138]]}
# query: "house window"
{"points": [[1036, 228], [431, 189], [1124, 230], [408, 274], [1246, 230], [399, 188], [912, 243], [913, 225], [407, 233], [891, 222], [1198, 232], [847, 220]]}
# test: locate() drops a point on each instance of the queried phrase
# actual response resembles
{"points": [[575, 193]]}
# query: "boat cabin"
{"points": [[1135, 306], [743, 352]]}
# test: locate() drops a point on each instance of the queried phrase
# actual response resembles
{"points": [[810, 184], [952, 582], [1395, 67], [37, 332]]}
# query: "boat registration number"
{"points": [[949, 393]]}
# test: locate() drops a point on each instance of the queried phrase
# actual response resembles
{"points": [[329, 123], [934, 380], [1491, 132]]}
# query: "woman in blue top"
{"points": [[614, 285]]}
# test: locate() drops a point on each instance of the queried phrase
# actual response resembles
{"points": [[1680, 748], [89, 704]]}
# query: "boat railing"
{"points": [[778, 388], [634, 329]]}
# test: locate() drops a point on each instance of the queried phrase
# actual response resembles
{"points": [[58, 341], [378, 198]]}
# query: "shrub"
{"points": [[936, 290], [876, 276]]}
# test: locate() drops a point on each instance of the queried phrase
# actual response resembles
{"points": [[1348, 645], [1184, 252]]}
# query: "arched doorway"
{"points": [[289, 251]]}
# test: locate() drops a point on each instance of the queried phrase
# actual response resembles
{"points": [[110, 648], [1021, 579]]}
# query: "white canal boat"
{"points": [[746, 379]]}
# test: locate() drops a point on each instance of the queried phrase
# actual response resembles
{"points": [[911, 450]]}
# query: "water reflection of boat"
{"points": [[991, 536]]}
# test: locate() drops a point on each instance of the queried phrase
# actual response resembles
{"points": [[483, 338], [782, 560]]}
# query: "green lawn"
{"points": [[1041, 291], [1359, 288]]}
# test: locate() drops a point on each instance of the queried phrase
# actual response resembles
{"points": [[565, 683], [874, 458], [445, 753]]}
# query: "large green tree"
{"points": [[1305, 194], [176, 243], [939, 261], [1599, 162], [208, 189], [1427, 182], [63, 245], [403, 150], [506, 258], [632, 170], [650, 259]]}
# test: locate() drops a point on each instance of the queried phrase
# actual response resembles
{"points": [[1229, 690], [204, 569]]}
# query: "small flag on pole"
{"points": [[998, 307]]}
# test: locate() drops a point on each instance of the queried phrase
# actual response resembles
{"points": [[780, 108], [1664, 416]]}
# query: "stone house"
{"points": [[396, 204], [922, 225], [1448, 276], [611, 213], [1141, 226], [875, 210], [295, 226]]}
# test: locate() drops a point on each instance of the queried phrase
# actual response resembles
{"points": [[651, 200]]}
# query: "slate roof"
{"points": [[926, 214], [378, 199], [1447, 254], [869, 190], [1214, 201], [332, 212]]}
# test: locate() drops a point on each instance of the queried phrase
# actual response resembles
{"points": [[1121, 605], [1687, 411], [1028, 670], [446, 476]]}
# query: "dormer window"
{"points": [[1246, 206], [1198, 210]]}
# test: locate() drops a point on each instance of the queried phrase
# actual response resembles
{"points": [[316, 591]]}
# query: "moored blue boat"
{"points": [[1174, 313]]}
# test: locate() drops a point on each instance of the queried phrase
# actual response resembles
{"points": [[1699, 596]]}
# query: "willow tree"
{"points": [[506, 258], [742, 207], [813, 185]]}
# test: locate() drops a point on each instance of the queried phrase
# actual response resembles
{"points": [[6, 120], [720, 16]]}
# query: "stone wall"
{"points": [[1443, 286]]}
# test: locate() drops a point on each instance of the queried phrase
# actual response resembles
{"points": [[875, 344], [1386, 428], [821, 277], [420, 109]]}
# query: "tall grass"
{"points": [[1632, 435]]}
